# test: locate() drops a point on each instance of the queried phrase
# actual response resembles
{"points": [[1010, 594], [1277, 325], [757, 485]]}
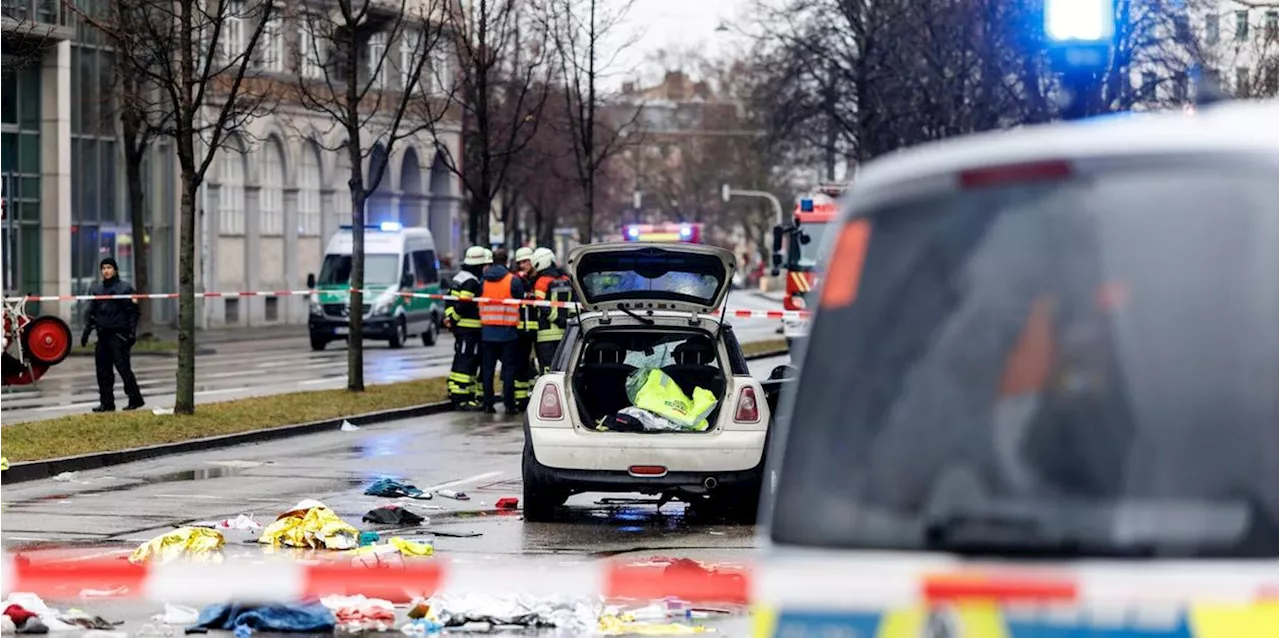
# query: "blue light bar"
{"points": [[633, 232], [391, 227], [686, 231], [806, 205], [1079, 21]]}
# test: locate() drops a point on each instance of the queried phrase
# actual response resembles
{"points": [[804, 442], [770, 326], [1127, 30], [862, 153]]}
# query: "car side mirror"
{"points": [[805, 239], [311, 281], [407, 280]]}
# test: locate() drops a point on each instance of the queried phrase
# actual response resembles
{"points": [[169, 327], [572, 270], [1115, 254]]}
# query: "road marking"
{"points": [[319, 381], [93, 556], [469, 479]]}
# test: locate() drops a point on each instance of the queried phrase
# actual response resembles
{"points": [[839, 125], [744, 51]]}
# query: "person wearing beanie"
{"points": [[116, 321]]}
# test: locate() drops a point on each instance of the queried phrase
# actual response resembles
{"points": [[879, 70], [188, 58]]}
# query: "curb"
{"points": [[48, 468]]}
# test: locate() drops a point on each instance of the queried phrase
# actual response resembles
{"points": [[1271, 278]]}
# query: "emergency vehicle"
{"points": [[31, 345], [687, 233], [797, 246]]}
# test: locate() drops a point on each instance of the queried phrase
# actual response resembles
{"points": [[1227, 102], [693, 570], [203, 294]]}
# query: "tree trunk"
{"points": [[138, 222], [185, 402], [355, 333], [478, 213]]}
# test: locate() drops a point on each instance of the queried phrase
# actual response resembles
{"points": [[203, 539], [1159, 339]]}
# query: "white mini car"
{"points": [[646, 306]]}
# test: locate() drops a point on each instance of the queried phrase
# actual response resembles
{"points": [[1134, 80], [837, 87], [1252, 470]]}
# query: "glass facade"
{"points": [[100, 225], [20, 116]]}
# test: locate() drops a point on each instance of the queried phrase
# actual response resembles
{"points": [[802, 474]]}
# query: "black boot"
{"points": [[135, 404], [105, 408]]}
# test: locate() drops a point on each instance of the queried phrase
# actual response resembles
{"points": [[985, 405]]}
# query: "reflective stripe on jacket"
{"points": [[495, 313], [464, 313]]}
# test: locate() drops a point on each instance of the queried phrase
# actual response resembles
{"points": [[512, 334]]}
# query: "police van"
{"points": [[396, 260]]}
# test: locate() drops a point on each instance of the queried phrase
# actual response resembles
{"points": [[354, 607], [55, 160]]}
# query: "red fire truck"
{"points": [[796, 252]]}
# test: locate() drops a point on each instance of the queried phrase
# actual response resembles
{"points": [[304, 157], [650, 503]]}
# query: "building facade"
{"points": [[276, 192]]}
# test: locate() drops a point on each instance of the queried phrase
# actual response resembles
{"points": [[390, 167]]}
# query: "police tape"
{"points": [[835, 582], [542, 303]]}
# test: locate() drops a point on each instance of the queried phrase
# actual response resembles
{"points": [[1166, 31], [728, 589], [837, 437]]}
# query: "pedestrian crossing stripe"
{"points": [[986, 620]]}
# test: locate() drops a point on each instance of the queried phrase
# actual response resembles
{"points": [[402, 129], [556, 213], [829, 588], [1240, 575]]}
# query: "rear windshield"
{"points": [[1078, 367], [650, 274]]}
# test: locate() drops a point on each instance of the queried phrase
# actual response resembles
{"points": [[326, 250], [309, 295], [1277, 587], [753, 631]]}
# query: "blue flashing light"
{"points": [[1079, 21], [806, 205], [686, 231], [391, 227], [633, 232]]}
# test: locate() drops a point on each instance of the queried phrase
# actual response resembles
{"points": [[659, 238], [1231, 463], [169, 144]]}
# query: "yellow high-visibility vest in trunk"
{"points": [[653, 390]]}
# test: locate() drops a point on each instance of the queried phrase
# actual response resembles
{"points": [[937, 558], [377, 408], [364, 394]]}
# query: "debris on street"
{"points": [[457, 496], [297, 618], [574, 616], [395, 544], [177, 615], [356, 614], [190, 543], [348, 426], [392, 515], [507, 503], [311, 524], [239, 523], [392, 488]]}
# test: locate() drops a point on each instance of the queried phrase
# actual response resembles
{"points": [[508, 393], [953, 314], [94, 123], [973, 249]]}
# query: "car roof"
{"points": [[1244, 126]]}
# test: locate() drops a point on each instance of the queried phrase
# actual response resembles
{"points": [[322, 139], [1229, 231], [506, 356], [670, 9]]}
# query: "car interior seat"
{"points": [[695, 367], [602, 379]]}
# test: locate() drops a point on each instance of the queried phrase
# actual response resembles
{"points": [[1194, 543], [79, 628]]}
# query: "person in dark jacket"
{"points": [[499, 331], [116, 321], [463, 317]]}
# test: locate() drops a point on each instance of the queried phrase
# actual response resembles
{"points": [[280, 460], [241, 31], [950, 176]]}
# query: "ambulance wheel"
{"points": [[432, 334], [399, 334]]}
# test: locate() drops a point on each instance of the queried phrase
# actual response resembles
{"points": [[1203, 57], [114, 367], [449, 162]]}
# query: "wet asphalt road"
{"points": [[273, 366], [106, 513]]}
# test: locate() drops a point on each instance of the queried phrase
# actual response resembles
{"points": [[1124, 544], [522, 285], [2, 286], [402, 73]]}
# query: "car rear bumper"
{"points": [[335, 328], [573, 449]]}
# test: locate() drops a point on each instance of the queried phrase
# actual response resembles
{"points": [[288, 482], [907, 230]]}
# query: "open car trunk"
{"points": [[609, 358]]}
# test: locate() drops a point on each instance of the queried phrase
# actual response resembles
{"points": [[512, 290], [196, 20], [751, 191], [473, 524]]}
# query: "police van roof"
{"points": [[1242, 126]]}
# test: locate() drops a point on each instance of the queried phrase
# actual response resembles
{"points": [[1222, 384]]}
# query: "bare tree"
{"points": [[28, 29], [198, 57], [500, 88], [346, 70], [581, 29]]}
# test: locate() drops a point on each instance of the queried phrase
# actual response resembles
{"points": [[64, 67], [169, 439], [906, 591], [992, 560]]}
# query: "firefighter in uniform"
{"points": [[463, 318], [528, 328], [550, 284], [500, 331]]}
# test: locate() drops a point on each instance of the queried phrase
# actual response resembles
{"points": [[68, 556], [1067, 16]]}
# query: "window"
{"points": [[271, 195], [341, 191], [1242, 26], [231, 194], [311, 53], [1273, 25], [273, 44], [410, 57], [1212, 30], [377, 51], [233, 31], [379, 269], [425, 263], [407, 268], [273, 309], [1242, 81], [231, 311], [440, 72], [1181, 28], [309, 191]]}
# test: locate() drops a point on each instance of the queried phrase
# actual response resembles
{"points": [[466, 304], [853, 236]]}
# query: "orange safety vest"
{"points": [[496, 313]]}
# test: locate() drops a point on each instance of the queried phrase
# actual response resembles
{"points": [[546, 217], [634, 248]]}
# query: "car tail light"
{"points": [[1014, 174], [549, 403], [748, 407]]}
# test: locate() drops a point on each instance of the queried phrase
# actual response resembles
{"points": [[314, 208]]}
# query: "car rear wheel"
{"points": [[432, 333], [540, 500], [318, 343], [399, 334]]}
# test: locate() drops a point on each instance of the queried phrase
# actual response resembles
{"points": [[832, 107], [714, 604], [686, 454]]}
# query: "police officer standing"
{"points": [[463, 318], [499, 333], [550, 284], [116, 321], [528, 329]]}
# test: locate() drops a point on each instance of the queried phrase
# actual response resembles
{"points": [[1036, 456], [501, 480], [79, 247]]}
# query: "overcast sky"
{"points": [[657, 25]]}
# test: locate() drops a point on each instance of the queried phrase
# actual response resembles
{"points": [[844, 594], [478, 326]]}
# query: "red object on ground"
{"points": [[507, 503], [18, 614]]}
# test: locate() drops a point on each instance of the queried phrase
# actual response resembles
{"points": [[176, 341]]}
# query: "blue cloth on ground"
{"points": [[392, 488], [309, 617]]}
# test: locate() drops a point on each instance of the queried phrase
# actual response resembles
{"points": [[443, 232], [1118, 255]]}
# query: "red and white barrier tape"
{"points": [[737, 314], [828, 583]]}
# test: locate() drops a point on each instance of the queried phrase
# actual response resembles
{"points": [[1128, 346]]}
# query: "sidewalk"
{"points": [[223, 335]]}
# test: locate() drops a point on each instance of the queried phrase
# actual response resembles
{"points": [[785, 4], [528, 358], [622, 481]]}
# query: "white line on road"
{"points": [[469, 479]]}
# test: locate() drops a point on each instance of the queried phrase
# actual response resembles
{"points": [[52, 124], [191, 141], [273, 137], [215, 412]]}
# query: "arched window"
{"points": [[231, 172], [271, 195], [309, 181]]}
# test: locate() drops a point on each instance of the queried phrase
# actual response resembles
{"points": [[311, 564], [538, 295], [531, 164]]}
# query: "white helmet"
{"points": [[475, 256], [524, 253], [488, 256], [543, 259]]}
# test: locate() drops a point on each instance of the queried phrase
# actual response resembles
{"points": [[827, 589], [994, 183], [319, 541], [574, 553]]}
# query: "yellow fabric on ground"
{"points": [[197, 543]]}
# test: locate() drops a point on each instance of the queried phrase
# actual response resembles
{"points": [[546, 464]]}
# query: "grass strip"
{"points": [[88, 433]]}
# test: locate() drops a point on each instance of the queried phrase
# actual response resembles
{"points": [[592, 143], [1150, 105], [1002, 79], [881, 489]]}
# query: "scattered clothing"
{"points": [[310, 617], [653, 390], [358, 609], [191, 543], [573, 616], [623, 625], [395, 545], [177, 615], [311, 524], [392, 488], [18, 614], [392, 515]]}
